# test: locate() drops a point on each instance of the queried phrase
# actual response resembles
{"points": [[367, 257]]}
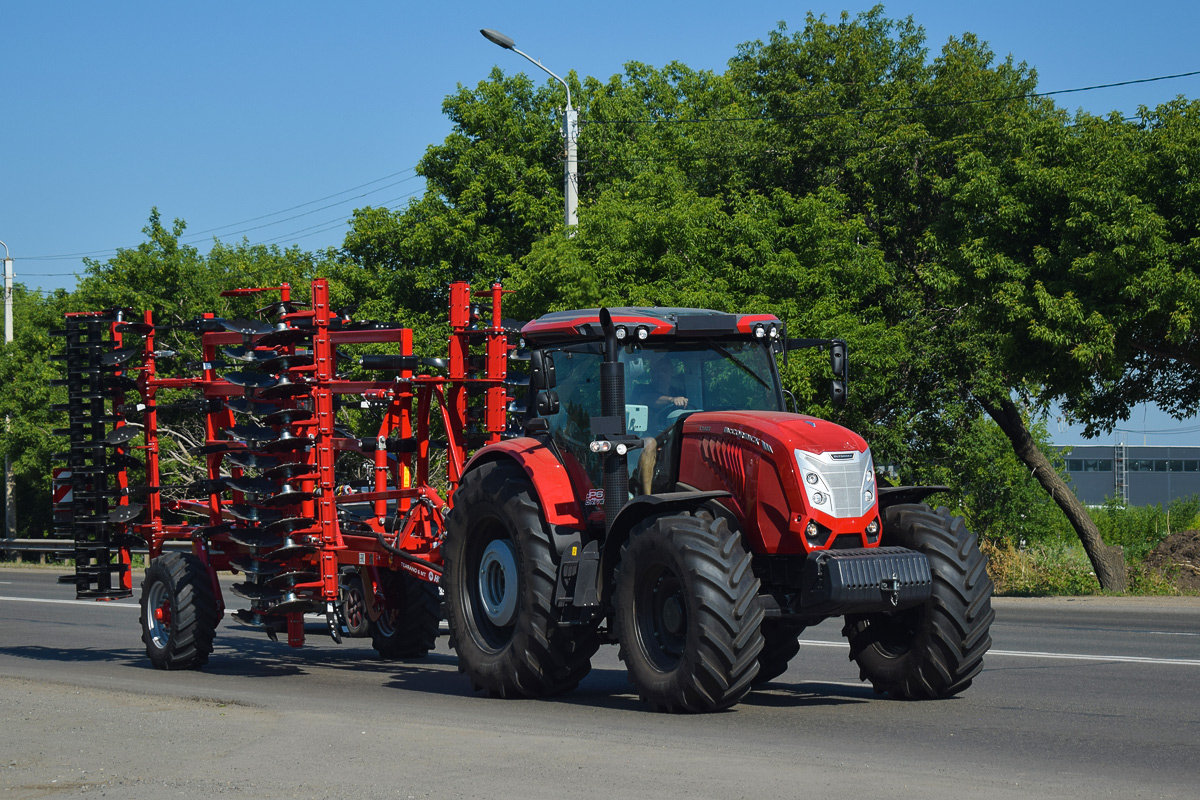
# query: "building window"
{"points": [[1089, 465], [1175, 465], [1191, 465]]}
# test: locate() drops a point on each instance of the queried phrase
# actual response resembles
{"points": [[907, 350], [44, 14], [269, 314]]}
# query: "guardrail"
{"points": [[67, 546]]}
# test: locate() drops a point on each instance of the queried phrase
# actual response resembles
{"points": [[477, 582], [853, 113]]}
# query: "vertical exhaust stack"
{"points": [[612, 406]]}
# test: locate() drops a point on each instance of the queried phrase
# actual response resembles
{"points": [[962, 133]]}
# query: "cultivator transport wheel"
{"points": [[178, 612], [686, 616], [936, 649], [780, 644], [499, 582], [408, 627], [354, 605]]}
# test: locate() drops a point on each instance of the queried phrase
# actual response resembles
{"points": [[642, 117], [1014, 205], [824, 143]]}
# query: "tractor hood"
{"points": [[778, 431]]}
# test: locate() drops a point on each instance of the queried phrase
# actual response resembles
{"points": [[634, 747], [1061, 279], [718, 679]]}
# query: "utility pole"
{"points": [[570, 133], [10, 502]]}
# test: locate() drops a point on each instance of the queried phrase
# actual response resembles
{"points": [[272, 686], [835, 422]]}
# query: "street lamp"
{"points": [[570, 131], [10, 506]]}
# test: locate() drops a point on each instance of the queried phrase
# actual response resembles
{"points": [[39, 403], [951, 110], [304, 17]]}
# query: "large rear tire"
{"points": [[686, 614], [499, 580], [935, 649], [178, 612], [408, 625]]}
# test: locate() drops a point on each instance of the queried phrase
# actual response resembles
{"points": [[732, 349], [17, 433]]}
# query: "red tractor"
{"points": [[662, 498]]}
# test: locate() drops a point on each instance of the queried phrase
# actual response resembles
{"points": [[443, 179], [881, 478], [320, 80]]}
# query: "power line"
{"points": [[888, 109], [194, 236]]}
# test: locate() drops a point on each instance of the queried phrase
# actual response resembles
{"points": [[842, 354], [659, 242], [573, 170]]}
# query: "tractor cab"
{"points": [[673, 363]]}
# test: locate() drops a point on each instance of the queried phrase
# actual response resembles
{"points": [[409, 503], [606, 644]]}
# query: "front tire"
{"points": [[781, 643], [178, 612], [499, 580], [686, 614], [936, 649]]}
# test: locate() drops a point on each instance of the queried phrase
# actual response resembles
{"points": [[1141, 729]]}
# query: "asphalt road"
{"points": [[1079, 698]]}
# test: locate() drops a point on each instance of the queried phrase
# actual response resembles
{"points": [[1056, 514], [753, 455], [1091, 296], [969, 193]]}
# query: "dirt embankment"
{"points": [[1177, 558]]}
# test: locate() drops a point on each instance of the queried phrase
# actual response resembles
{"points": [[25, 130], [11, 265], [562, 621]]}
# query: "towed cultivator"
{"points": [[277, 505], [655, 493]]}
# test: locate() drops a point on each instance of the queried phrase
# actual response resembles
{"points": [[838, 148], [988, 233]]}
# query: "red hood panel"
{"points": [[793, 431]]}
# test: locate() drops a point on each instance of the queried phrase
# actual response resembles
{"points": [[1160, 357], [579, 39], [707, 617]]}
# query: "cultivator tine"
{"points": [[281, 362], [254, 486], [288, 471], [250, 380], [288, 416], [116, 358], [249, 355], [248, 513], [136, 328], [124, 514], [248, 328], [256, 538], [249, 459], [289, 525], [250, 405], [284, 336], [257, 591], [279, 308], [287, 497], [253, 567], [252, 433], [286, 443], [284, 388], [122, 435]]}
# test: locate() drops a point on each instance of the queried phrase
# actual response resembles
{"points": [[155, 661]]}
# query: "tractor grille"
{"points": [[837, 483], [845, 483]]}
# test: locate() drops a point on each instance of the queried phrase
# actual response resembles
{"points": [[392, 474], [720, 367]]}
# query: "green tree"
{"points": [[27, 435]]}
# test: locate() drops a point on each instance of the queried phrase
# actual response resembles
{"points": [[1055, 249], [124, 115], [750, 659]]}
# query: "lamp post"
{"points": [[10, 506], [570, 132]]}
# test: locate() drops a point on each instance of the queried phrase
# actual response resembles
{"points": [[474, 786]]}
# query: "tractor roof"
{"points": [[692, 322]]}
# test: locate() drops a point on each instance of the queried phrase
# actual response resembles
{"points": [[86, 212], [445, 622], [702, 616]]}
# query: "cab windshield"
{"points": [[662, 384], [669, 381]]}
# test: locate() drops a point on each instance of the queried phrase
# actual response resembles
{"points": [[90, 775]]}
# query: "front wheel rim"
{"points": [[158, 615], [661, 617]]}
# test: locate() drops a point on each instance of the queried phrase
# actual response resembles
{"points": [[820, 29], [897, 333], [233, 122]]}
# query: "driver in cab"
{"points": [[663, 395]]}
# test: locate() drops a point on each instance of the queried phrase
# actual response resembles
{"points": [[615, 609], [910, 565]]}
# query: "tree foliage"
{"points": [[984, 253]]}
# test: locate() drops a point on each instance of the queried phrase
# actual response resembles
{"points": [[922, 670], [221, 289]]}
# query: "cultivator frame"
{"points": [[274, 506]]}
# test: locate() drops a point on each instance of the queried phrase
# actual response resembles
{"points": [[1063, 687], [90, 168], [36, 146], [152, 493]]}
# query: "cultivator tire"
{"points": [[689, 626], [499, 582], [935, 649], [178, 612], [408, 627], [781, 643]]}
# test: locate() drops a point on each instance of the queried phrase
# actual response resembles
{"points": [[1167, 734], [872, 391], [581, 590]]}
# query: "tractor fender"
{"points": [[644, 507], [551, 484]]}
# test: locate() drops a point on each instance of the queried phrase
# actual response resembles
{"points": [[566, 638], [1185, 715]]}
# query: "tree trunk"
{"points": [[1109, 562]]}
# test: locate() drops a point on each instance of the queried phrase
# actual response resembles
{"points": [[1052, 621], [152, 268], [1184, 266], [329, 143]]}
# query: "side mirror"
{"points": [[837, 358], [541, 370], [837, 392], [547, 403]]}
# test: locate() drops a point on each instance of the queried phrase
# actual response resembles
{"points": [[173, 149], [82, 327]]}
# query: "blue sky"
{"points": [[273, 121]]}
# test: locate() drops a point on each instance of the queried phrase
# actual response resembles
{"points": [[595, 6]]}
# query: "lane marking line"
{"points": [[94, 603], [1185, 662]]}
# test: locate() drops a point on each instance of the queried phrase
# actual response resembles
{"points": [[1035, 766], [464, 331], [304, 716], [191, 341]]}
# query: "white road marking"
{"points": [[94, 603], [1186, 662]]}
